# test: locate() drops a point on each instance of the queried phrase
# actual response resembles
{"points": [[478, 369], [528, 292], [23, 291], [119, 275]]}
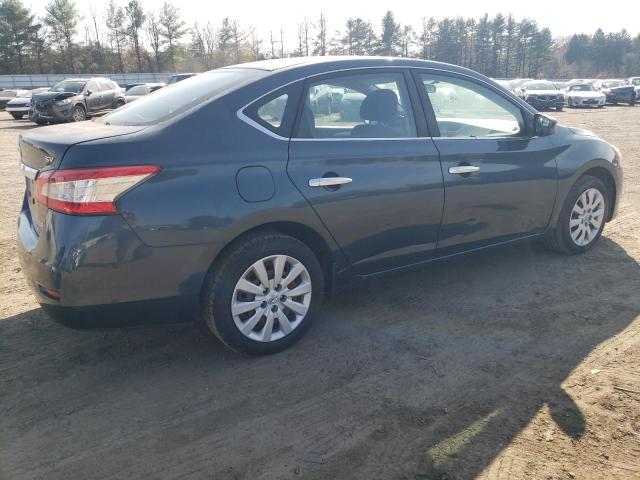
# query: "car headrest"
{"points": [[380, 106]]}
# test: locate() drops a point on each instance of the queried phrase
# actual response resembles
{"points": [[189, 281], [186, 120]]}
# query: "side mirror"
{"points": [[430, 88], [544, 125], [88, 93]]}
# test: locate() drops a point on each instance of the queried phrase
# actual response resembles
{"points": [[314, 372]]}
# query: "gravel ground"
{"points": [[517, 363]]}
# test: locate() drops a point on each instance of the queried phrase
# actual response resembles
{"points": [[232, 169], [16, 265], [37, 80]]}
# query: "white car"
{"points": [[584, 95], [20, 105]]}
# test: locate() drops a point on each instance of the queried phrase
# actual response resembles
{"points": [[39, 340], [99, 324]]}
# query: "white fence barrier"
{"points": [[36, 81]]}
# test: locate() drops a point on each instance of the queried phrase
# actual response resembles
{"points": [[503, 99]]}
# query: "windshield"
{"points": [[540, 86], [582, 88], [139, 90], [26, 94], [613, 84], [635, 81], [181, 96], [68, 86], [8, 93]]}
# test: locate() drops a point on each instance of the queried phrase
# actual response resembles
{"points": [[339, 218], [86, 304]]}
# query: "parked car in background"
{"points": [[20, 106], [584, 95], [350, 105], [7, 95], [178, 77], [75, 100], [542, 94], [635, 81], [515, 85], [616, 91], [253, 218], [321, 98], [141, 90]]}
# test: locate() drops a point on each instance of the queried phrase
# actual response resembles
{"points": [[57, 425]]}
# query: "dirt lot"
{"points": [[518, 363]]}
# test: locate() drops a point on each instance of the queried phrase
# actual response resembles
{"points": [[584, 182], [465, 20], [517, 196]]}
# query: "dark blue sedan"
{"points": [[234, 192]]}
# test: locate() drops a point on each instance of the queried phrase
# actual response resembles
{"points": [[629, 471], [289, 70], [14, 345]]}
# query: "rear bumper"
{"points": [[99, 260], [586, 102], [615, 98]]}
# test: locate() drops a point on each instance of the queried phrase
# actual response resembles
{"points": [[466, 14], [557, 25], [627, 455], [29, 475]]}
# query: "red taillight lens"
{"points": [[89, 191]]}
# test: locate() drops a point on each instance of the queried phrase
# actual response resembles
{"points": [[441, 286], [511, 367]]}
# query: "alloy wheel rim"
{"points": [[587, 217], [271, 298], [77, 115]]}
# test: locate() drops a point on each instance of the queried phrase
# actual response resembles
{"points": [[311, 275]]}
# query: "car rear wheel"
{"points": [[78, 114], [17, 116], [260, 298], [582, 217], [559, 108], [119, 103]]}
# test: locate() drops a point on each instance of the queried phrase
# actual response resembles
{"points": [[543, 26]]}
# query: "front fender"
{"points": [[582, 153]]}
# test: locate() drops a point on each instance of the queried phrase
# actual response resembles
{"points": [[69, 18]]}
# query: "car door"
{"points": [[373, 176], [500, 181], [94, 98]]}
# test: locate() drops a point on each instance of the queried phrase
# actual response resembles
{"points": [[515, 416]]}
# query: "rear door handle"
{"points": [[329, 181], [462, 169]]}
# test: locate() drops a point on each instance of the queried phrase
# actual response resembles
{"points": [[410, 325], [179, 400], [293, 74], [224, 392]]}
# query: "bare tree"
{"points": [[154, 36], [320, 43]]}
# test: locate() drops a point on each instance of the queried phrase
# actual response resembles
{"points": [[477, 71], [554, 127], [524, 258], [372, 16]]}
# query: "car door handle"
{"points": [[329, 181], [462, 169]]}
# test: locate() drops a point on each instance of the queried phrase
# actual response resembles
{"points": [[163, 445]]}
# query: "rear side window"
{"points": [[276, 111], [182, 96], [272, 112]]}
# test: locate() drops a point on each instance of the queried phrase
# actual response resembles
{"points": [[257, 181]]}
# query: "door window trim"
{"points": [[419, 121], [430, 115]]}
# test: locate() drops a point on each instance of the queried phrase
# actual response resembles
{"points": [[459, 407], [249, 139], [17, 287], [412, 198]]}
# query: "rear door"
{"points": [[367, 167], [500, 181]]}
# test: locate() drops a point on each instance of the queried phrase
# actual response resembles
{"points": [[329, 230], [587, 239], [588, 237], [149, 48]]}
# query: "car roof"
{"points": [[346, 62]]}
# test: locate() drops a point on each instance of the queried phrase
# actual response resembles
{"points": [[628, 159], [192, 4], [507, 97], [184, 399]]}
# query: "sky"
{"points": [[563, 17]]}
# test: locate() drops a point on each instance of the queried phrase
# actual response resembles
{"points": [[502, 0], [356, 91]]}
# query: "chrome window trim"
{"points": [[249, 121]]}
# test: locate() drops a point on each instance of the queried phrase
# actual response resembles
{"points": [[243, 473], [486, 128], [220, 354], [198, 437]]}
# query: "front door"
{"points": [[371, 179], [500, 181]]}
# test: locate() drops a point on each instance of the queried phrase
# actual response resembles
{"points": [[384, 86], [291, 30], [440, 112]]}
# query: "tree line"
{"points": [[126, 38]]}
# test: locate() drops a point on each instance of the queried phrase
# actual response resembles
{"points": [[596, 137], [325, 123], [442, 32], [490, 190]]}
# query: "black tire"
{"points": [[40, 122], [78, 114], [218, 290], [119, 103], [17, 116], [559, 239], [632, 100], [559, 108]]}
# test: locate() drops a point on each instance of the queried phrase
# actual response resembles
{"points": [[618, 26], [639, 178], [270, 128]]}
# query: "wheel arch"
{"points": [[606, 177], [300, 232]]}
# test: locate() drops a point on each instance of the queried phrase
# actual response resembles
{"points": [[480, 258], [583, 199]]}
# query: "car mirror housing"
{"points": [[544, 125], [88, 93]]}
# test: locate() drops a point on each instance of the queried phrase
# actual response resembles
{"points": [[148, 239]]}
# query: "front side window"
{"points": [[466, 109], [357, 106]]}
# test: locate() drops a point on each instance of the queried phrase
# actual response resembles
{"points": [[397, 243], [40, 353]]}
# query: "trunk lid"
{"points": [[43, 149]]}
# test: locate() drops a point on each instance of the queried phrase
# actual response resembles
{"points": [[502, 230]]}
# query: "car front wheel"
{"points": [[78, 114], [261, 296], [582, 217]]}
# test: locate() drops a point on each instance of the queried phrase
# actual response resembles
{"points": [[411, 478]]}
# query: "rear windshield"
{"points": [[613, 84], [139, 90], [181, 96], [582, 88]]}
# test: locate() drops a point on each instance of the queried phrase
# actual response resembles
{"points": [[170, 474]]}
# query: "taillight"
{"points": [[89, 191]]}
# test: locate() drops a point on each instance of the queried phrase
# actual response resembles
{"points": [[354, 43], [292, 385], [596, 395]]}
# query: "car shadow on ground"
{"points": [[428, 374]]}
